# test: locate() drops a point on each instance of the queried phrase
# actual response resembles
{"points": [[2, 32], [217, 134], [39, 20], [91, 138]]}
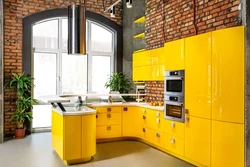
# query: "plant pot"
{"points": [[19, 133]]}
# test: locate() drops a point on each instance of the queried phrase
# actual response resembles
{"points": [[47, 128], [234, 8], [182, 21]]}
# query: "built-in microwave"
{"points": [[174, 83]]}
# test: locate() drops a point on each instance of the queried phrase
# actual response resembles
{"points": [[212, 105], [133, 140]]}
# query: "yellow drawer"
{"points": [[173, 128], [152, 122], [108, 119], [174, 144], [151, 112], [152, 136], [107, 109], [108, 131]]}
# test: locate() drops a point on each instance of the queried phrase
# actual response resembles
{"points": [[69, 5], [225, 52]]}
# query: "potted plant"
{"points": [[120, 82], [21, 85]]}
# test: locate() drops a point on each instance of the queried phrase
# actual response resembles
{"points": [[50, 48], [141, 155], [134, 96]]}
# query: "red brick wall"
{"points": [[168, 20], [14, 12]]}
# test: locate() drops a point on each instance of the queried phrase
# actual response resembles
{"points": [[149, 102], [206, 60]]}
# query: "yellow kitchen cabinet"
{"points": [[174, 144], [108, 119], [141, 59], [198, 75], [227, 144], [142, 73], [174, 55], [157, 72], [228, 73], [174, 128], [198, 140], [151, 112], [147, 121], [152, 136], [107, 109], [108, 131], [130, 123], [157, 56]]}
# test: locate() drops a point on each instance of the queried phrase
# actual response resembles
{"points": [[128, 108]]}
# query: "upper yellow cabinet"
{"points": [[141, 59], [174, 55], [157, 56], [142, 73], [198, 75], [228, 73], [157, 72]]}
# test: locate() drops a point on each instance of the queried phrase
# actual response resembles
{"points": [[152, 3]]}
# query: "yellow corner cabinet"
{"points": [[198, 75], [130, 126], [228, 71], [73, 137], [174, 55]]}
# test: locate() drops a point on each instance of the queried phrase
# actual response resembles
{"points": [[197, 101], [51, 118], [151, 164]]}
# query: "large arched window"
{"points": [[56, 72]]}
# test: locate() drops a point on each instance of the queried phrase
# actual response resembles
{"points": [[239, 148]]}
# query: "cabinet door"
{"points": [[142, 73], [228, 74], [174, 55], [88, 135], [108, 109], [227, 144], [173, 128], [141, 59], [130, 121], [174, 144], [157, 56], [197, 139], [198, 75], [108, 119], [157, 72], [109, 131]]}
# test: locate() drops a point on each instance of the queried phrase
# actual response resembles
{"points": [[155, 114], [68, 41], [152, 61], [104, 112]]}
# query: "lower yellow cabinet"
{"points": [[152, 136], [197, 139], [108, 119], [227, 144], [174, 144], [108, 131], [130, 124], [173, 128]]}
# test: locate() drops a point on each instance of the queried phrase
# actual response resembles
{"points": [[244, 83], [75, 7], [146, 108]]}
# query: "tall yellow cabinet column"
{"points": [[228, 71]]}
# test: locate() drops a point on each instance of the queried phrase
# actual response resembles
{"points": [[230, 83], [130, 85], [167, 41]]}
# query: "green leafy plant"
{"points": [[119, 82], [21, 84]]}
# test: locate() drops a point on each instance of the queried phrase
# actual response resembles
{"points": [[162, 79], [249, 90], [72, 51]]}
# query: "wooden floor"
{"points": [[36, 151]]}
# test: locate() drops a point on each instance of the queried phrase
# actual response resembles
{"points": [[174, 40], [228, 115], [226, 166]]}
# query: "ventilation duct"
{"points": [[76, 30]]}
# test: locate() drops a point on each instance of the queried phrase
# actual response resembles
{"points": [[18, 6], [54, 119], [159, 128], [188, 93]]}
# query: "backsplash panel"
{"points": [[154, 91]]}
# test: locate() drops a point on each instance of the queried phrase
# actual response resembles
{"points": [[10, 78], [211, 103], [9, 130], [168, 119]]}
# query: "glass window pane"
{"points": [[41, 116], [45, 35], [65, 34], [44, 74], [101, 39], [74, 74], [100, 73]]}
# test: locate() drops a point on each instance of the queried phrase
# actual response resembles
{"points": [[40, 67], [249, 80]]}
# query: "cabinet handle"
{"points": [[144, 117], [125, 109], [143, 129], [187, 119], [109, 109], [108, 115], [157, 120], [173, 124], [157, 134], [186, 111], [172, 140], [96, 116], [144, 111], [157, 114], [108, 127]]}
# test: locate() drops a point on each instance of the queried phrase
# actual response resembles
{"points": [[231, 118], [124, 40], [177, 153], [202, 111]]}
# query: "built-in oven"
{"points": [[174, 95], [174, 83]]}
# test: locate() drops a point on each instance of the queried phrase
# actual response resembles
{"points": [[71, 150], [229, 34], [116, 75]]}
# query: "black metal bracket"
{"points": [[59, 105]]}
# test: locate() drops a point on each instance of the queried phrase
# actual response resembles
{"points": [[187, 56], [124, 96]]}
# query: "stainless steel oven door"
{"points": [[174, 111], [174, 86]]}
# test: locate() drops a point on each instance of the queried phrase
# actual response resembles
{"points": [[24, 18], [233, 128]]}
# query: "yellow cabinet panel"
{"points": [[57, 133], [228, 74], [157, 72], [108, 119], [152, 136], [197, 139], [157, 56], [88, 135], [198, 75], [174, 55], [108, 109], [147, 121], [142, 73], [108, 131], [174, 144], [173, 128], [72, 137], [227, 144], [141, 59], [130, 123], [150, 112]]}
